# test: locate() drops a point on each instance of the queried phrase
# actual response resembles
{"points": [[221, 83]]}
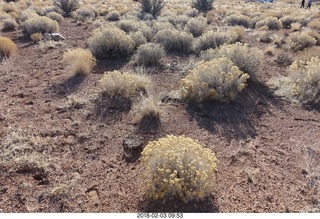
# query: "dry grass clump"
{"points": [[315, 34], [302, 85], [150, 54], [212, 39], [80, 60], [110, 42], [36, 37], [40, 25], [248, 59], [178, 166], [149, 109], [113, 16], [218, 79], [7, 48], [192, 12], [174, 40], [67, 6], [196, 26], [238, 20], [300, 40], [296, 26], [265, 37], [314, 25], [116, 83], [271, 22], [129, 25], [55, 16], [84, 14]]}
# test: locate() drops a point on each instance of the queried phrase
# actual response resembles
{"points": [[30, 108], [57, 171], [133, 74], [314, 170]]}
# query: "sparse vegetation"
{"points": [[80, 60], [178, 166], [218, 79], [110, 42]]}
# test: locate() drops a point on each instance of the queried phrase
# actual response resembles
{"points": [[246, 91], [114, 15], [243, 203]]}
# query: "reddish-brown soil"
{"points": [[267, 148]]}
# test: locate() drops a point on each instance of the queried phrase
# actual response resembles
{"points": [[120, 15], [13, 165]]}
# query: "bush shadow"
{"points": [[238, 119], [207, 205], [111, 108], [69, 85], [108, 65], [149, 125]]}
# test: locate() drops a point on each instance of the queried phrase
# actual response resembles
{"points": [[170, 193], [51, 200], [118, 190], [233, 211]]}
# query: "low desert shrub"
{"points": [[40, 25], [174, 40], [116, 83], [55, 16], [192, 12], [302, 85], [27, 14], [67, 6], [296, 26], [150, 54], [196, 26], [203, 5], [271, 22], [218, 79], [287, 21], [138, 38], [178, 166], [113, 16], [149, 109], [9, 24], [238, 20], [84, 14], [129, 25], [265, 37], [153, 7], [283, 59], [110, 42], [314, 34], [7, 47], [80, 60], [299, 41], [314, 25], [248, 59], [213, 39]]}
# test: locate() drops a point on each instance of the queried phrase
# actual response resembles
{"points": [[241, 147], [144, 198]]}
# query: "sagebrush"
{"points": [[7, 47], [80, 60]]}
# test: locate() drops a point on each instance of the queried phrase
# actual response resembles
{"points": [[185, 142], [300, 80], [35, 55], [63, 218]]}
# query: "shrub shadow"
{"points": [[238, 119], [111, 108], [108, 65], [69, 85], [207, 205], [149, 125]]}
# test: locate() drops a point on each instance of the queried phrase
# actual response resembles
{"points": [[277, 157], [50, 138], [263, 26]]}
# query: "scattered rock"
{"points": [[132, 143]]}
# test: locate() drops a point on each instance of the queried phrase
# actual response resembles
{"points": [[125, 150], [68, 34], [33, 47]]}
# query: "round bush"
{"points": [[178, 166], [218, 79], [149, 54], [110, 42], [7, 47]]}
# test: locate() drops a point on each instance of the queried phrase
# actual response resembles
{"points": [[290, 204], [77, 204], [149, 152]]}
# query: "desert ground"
{"points": [[62, 136]]}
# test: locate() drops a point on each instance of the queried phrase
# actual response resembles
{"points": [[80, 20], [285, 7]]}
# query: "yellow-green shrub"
{"points": [[302, 85], [248, 59], [271, 22], [110, 42], [80, 60], [300, 41], [178, 166], [116, 83], [218, 79], [7, 47]]}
